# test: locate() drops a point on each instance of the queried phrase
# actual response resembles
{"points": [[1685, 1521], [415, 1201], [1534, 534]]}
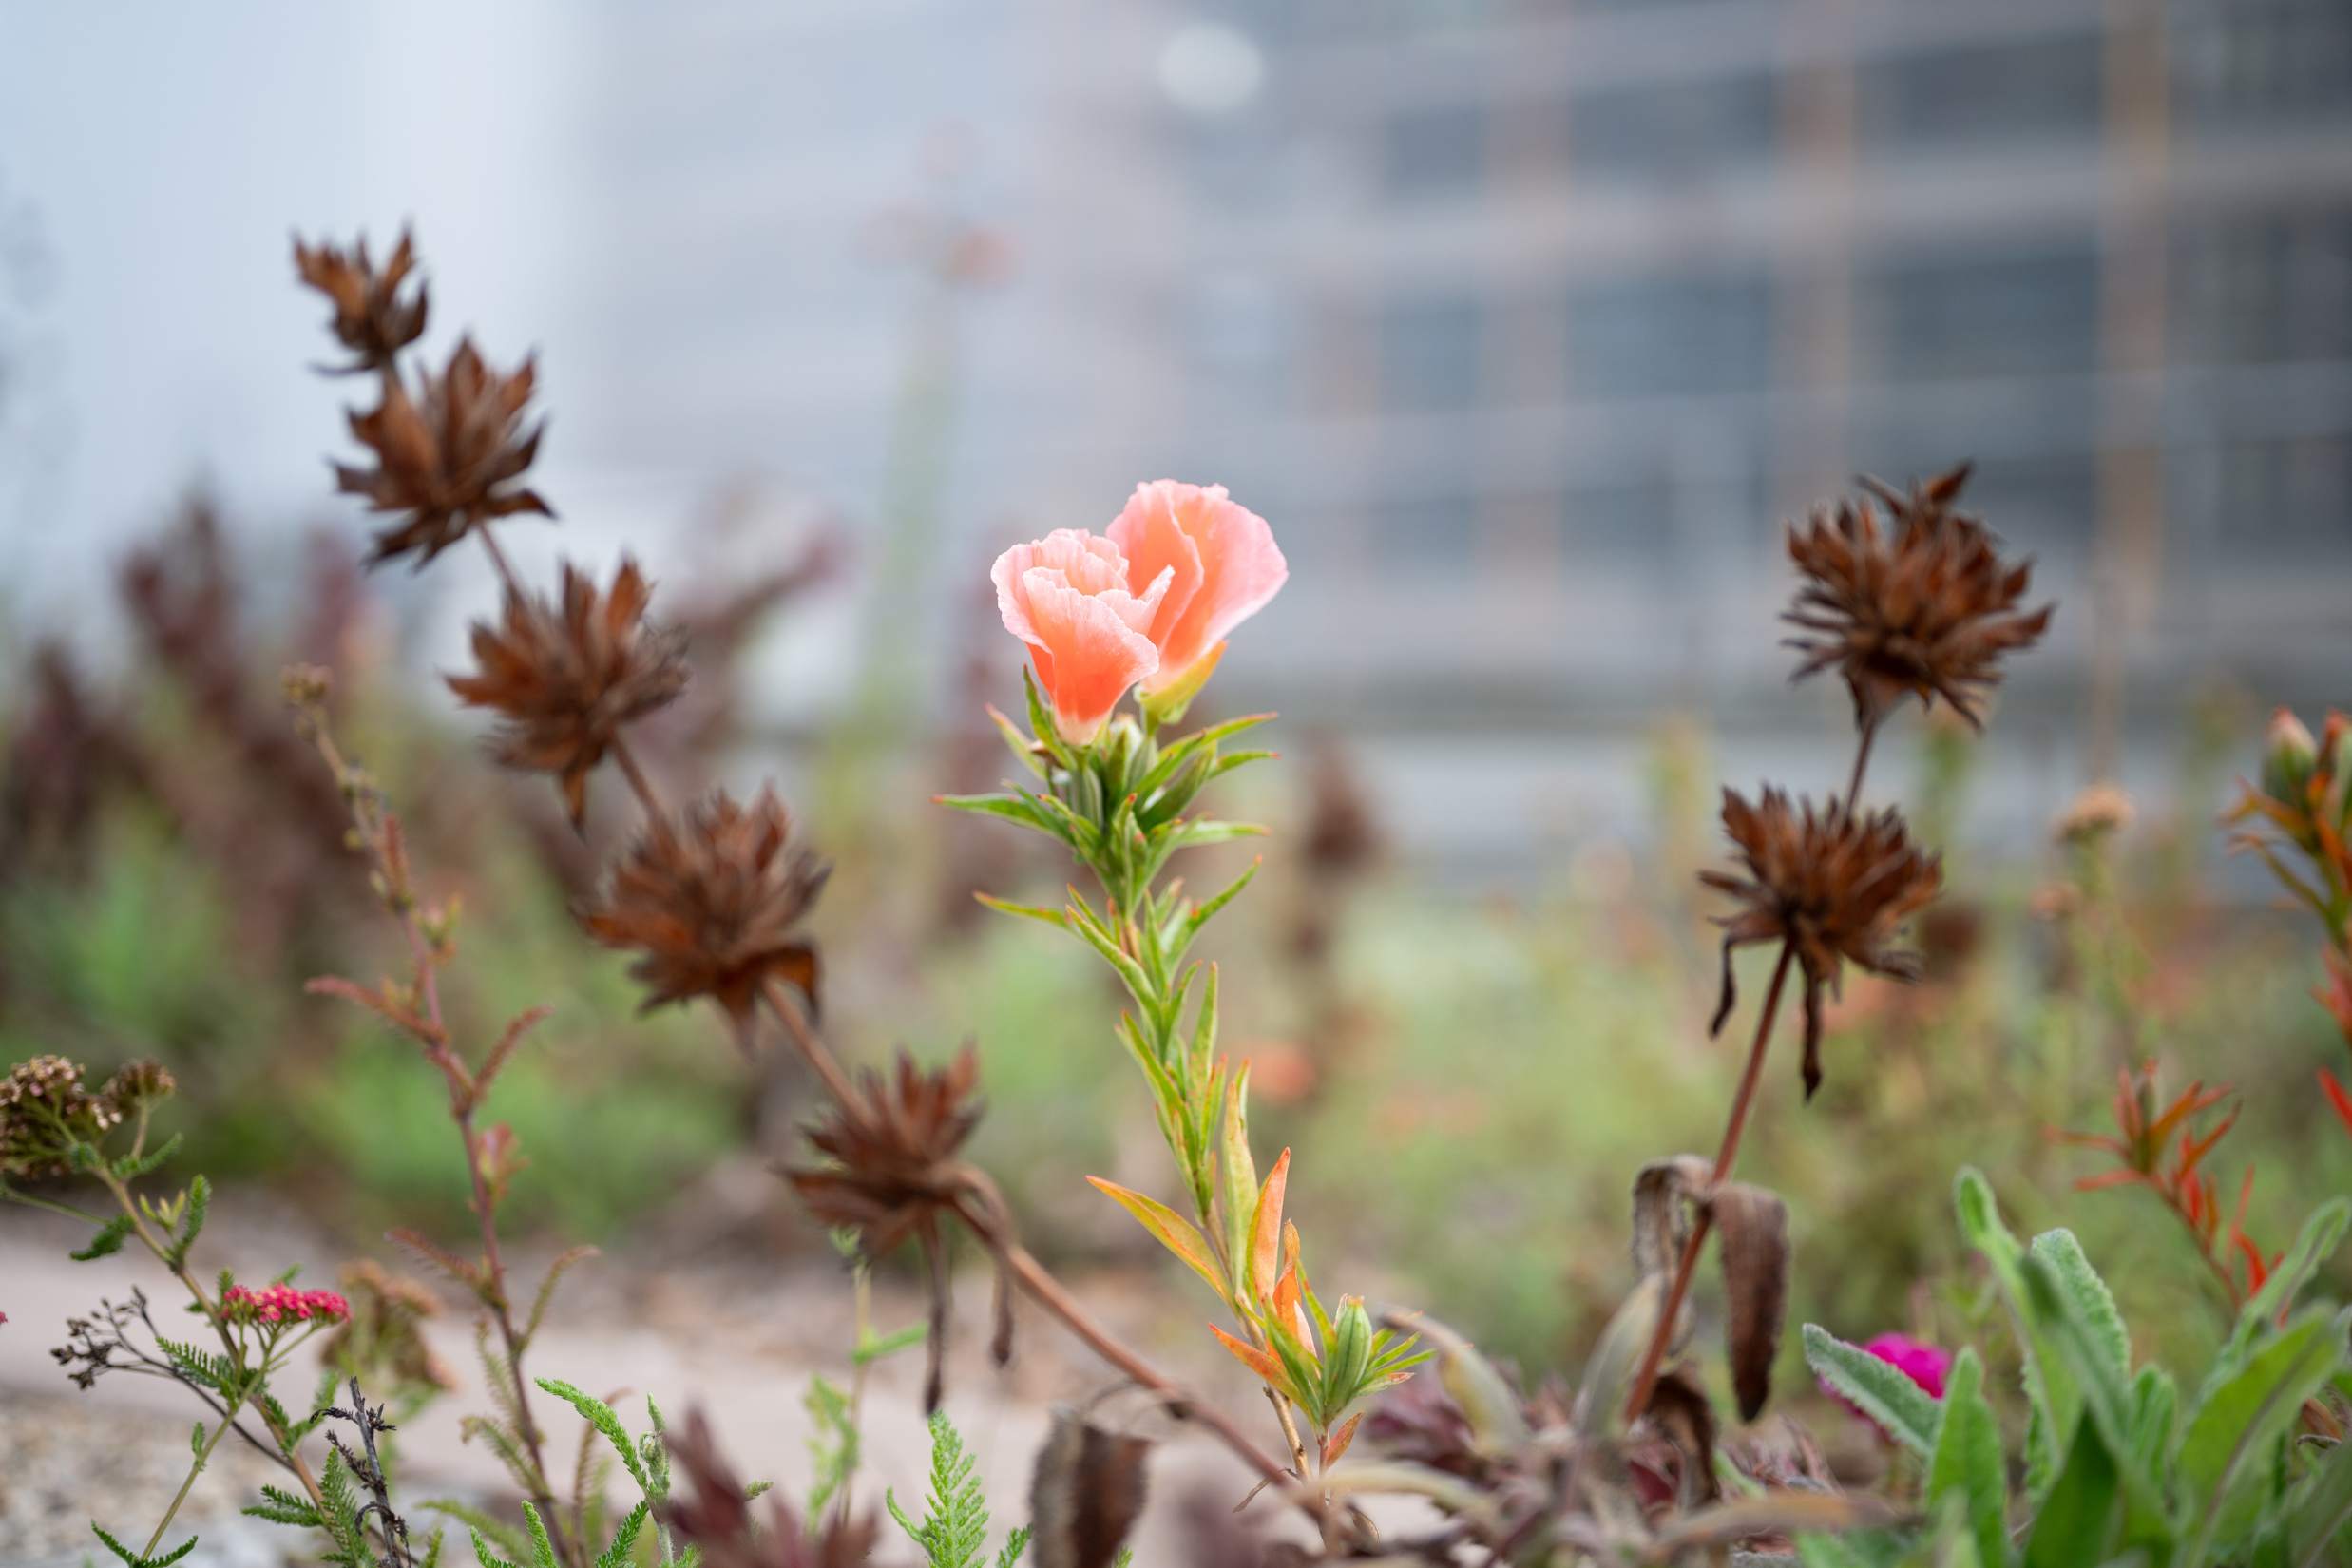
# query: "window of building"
{"points": [[1985, 315], [1432, 154], [2268, 288], [1436, 532], [1664, 130], [1989, 94], [2280, 496], [2252, 61], [1430, 352], [1689, 336]]}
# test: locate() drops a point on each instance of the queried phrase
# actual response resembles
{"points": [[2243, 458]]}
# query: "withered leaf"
{"points": [[1085, 1493], [1663, 1193], [1754, 1249], [1681, 1410]]}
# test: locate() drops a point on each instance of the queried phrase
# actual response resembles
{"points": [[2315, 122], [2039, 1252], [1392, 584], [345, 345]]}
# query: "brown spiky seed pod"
{"points": [[896, 1177], [1829, 884], [564, 678], [710, 901], [1918, 604], [447, 457], [371, 317], [896, 1151]]}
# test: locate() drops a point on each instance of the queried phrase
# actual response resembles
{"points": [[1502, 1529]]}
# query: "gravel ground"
{"points": [[730, 1337]]}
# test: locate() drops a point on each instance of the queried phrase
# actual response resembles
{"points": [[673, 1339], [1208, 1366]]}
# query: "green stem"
{"points": [[212, 1440], [13, 1196]]}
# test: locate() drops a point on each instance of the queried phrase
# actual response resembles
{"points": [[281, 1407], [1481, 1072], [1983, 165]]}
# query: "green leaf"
{"points": [[192, 1222], [487, 1557], [2088, 1300], [622, 1551], [1239, 1171], [107, 1242], [2322, 1508], [117, 1547], [1201, 916], [131, 1167], [1899, 1406], [2321, 1233], [279, 1506], [2226, 1447], [2076, 1523], [600, 1415], [543, 1549], [1967, 1461], [2049, 1384], [1055, 918], [1193, 834], [954, 1529], [1174, 1231]]}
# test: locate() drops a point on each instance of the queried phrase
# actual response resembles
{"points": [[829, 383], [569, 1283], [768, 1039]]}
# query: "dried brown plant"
{"points": [[565, 676], [1827, 884]]}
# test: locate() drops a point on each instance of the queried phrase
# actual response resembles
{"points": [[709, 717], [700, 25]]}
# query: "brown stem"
{"points": [[498, 558], [493, 1289], [1048, 1292], [1862, 763], [813, 1050], [1645, 1379], [638, 784]]}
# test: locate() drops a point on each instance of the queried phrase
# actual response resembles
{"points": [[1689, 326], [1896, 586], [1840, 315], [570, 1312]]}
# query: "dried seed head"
{"points": [[565, 677], [896, 1175], [710, 901], [897, 1150], [447, 457], [1919, 605], [371, 317], [1830, 884], [44, 1109]]}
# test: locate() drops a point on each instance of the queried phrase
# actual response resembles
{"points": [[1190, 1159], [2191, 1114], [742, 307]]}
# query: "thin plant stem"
{"points": [[188, 1481], [1862, 763], [639, 785], [813, 1050], [498, 558], [492, 1291], [1645, 1379]]}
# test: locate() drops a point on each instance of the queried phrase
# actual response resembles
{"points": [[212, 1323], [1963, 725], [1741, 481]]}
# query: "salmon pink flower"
{"points": [[1223, 567], [1086, 617]]}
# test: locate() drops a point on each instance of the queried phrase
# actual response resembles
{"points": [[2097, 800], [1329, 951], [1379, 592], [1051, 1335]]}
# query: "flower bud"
{"points": [[2288, 756], [1350, 1350]]}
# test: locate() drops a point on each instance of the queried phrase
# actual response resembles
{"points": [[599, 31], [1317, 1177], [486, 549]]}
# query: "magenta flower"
{"points": [[1926, 1365], [282, 1304]]}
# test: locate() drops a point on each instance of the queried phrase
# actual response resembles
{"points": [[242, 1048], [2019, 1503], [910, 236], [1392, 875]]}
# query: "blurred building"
{"points": [[1526, 319], [1544, 311]]}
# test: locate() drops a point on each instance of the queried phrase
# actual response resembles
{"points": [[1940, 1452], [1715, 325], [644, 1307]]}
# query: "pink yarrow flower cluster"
{"points": [[282, 1304], [1926, 1365], [1148, 602]]}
